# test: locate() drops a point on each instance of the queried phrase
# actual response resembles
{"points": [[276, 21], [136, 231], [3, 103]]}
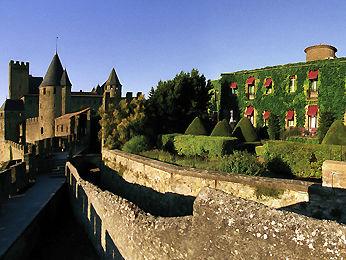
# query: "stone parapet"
{"points": [[222, 227], [164, 177], [334, 174]]}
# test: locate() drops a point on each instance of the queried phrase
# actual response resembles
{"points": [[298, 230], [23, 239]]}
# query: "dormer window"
{"points": [[250, 85], [234, 88], [268, 84], [292, 87]]}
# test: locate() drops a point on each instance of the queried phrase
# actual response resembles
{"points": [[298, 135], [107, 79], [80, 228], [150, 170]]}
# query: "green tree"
{"points": [[326, 120], [122, 121], [274, 127], [176, 102]]}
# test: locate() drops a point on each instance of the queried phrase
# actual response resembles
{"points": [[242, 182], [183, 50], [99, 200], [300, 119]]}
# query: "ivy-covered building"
{"points": [[296, 92]]}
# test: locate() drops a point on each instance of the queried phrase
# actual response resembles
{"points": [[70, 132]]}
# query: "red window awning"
{"points": [[313, 74], [266, 115], [290, 115], [249, 111], [233, 85], [268, 82], [250, 81], [312, 110]]}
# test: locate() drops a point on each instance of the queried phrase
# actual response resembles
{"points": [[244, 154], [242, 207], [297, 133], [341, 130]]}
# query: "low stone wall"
{"points": [[222, 227], [13, 180], [167, 178]]}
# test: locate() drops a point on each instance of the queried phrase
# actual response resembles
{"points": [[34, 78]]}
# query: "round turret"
{"points": [[320, 52], [50, 98]]}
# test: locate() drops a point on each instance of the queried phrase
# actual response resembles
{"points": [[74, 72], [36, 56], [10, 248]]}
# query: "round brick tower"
{"points": [[320, 52], [50, 98]]}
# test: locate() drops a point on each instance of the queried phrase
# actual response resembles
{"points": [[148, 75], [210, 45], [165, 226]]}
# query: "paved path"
{"points": [[18, 212]]}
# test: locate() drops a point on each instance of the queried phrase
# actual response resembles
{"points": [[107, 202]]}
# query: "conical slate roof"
{"points": [[65, 81], [113, 79], [54, 73]]}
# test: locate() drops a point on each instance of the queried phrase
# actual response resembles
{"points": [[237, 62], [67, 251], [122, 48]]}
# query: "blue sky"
{"points": [[146, 41]]}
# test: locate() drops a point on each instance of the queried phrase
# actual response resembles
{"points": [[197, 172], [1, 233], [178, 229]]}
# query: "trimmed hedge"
{"points": [[193, 145], [299, 159], [136, 144], [306, 140], [196, 128], [222, 128], [336, 134], [245, 131], [166, 142]]}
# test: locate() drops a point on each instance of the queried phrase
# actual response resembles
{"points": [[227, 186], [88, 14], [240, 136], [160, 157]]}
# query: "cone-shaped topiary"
{"points": [[222, 128], [196, 128], [336, 134], [245, 131]]}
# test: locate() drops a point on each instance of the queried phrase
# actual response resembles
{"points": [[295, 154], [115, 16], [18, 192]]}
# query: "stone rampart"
{"points": [[10, 150], [165, 178], [222, 227], [12, 180]]}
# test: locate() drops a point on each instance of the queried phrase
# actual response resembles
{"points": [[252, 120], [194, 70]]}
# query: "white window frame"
{"points": [[292, 85]]}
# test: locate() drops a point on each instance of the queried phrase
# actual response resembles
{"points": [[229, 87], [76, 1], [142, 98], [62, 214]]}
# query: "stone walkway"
{"points": [[19, 211]]}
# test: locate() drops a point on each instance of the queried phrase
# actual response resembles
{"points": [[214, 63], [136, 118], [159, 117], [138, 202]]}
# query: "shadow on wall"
{"points": [[324, 203], [149, 200], [157, 204], [94, 225]]}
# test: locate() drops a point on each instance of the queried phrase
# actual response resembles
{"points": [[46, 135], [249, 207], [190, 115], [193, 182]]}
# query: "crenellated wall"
{"points": [[222, 226], [32, 130]]}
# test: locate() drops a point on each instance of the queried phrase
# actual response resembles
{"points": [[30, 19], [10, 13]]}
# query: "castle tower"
{"points": [[18, 79], [50, 98], [112, 91], [65, 93]]}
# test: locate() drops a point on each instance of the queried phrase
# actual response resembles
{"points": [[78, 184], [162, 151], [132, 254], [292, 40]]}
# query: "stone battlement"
{"points": [[19, 64], [17, 146], [32, 120]]}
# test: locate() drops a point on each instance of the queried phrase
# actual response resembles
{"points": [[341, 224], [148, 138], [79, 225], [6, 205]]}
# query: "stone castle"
{"points": [[40, 108]]}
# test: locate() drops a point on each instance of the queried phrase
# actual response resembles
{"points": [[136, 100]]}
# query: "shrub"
{"points": [[222, 128], [303, 160], [196, 128], [326, 120], [306, 140], [259, 150], [245, 131], [166, 142], [336, 134], [274, 127], [243, 163], [136, 144], [291, 132], [193, 145]]}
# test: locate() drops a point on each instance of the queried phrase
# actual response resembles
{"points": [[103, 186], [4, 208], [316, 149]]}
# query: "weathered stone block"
{"points": [[334, 174]]}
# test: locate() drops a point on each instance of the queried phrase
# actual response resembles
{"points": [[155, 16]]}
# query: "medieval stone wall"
{"points": [[79, 102], [18, 79], [32, 130], [221, 227], [30, 105], [167, 178], [10, 150]]}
